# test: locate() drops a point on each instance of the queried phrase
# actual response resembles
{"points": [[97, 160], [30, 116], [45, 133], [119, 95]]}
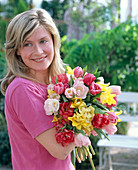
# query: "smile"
{"points": [[40, 59]]}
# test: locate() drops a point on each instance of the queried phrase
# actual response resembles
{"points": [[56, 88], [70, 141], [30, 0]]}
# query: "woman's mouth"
{"points": [[39, 59]]}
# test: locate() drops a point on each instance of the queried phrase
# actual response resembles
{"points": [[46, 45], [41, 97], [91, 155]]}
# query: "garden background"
{"points": [[92, 33]]}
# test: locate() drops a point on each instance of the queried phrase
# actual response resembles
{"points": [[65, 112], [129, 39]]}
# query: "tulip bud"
{"points": [[78, 72], [88, 79]]}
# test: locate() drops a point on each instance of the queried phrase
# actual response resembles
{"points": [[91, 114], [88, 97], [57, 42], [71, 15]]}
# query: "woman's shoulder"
{"points": [[20, 82], [23, 85]]}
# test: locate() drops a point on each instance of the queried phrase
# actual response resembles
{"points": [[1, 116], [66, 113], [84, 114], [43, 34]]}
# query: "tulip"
{"points": [[110, 129], [81, 140], [78, 72], [115, 89], [112, 117], [51, 106], [94, 133], [88, 79], [81, 89], [95, 89], [59, 88], [69, 92]]}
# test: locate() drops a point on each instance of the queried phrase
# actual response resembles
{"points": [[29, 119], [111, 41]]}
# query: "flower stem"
{"points": [[90, 158], [77, 156], [92, 150], [85, 151], [81, 153]]}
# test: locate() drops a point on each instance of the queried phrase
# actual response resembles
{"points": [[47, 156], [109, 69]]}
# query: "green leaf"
{"points": [[64, 127], [95, 71], [98, 110], [66, 70], [98, 104], [85, 69], [55, 79], [64, 98], [71, 81], [100, 133], [73, 158], [97, 74], [78, 131]]}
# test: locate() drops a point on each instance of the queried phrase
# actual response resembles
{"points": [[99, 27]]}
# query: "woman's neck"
{"points": [[41, 77]]}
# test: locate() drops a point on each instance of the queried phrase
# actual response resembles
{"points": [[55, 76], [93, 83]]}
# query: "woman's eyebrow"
{"points": [[45, 37]]}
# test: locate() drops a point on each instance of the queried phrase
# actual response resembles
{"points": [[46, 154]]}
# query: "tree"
{"points": [[21, 7], [89, 15], [56, 9], [113, 51], [126, 12], [13, 7]]}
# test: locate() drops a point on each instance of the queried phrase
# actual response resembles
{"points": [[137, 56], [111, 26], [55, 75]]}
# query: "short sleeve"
{"points": [[28, 103]]}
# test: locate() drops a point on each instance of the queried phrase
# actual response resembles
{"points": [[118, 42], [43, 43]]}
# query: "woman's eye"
{"points": [[43, 41], [27, 45]]}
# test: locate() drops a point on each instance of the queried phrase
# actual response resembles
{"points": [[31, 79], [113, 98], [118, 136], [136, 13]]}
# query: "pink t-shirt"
{"points": [[26, 119]]}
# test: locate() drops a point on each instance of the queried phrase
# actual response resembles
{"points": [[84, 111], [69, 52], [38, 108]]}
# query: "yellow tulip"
{"points": [[77, 120], [82, 119], [107, 97], [50, 92], [118, 113], [55, 119], [103, 86], [76, 102], [70, 71]]}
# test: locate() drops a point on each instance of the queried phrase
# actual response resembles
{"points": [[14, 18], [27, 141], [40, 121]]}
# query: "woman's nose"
{"points": [[37, 49]]}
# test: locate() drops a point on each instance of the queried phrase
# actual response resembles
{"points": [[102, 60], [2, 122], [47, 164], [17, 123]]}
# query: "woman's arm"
{"points": [[48, 140]]}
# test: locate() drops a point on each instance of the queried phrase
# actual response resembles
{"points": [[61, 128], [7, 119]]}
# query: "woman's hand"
{"points": [[81, 140]]}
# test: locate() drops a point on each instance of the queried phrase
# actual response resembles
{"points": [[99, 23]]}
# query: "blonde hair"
{"points": [[19, 29]]}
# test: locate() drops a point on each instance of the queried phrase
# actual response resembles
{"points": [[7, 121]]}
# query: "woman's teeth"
{"points": [[39, 59]]}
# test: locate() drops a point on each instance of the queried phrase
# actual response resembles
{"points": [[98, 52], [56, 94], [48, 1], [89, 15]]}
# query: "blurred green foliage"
{"points": [[113, 51], [57, 9], [5, 151]]}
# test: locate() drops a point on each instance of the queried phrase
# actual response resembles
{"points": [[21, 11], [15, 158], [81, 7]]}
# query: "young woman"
{"points": [[33, 57]]}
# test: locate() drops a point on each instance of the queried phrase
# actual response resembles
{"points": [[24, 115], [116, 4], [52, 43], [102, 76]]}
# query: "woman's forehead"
{"points": [[39, 33]]}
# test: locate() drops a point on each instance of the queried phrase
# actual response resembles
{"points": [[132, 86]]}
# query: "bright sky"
{"points": [[37, 3]]}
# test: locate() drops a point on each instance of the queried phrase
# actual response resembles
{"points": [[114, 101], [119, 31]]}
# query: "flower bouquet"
{"points": [[82, 106]]}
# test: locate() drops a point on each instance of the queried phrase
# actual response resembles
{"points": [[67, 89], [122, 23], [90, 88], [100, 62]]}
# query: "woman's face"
{"points": [[38, 51]]}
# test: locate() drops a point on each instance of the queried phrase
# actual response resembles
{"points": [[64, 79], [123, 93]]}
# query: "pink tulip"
{"points": [[95, 89], [115, 89], [112, 117], [110, 129], [59, 88], [88, 79], [94, 133], [81, 140], [81, 89], [78, 72]]}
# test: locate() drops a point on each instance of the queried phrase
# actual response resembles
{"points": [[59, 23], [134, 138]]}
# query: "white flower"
{"points": [[51, 106], [101, 80], [54, 96], [50, 87], [69, 92]]}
